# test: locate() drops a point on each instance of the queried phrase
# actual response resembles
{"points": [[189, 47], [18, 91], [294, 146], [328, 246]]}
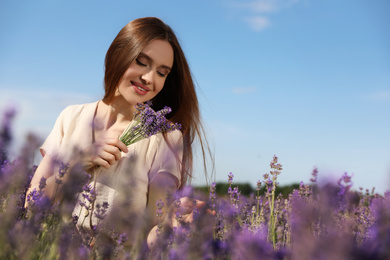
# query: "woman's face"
{"points": [[146, 75]]}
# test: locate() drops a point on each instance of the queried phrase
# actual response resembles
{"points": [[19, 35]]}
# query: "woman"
{"points": [[144, 63]]}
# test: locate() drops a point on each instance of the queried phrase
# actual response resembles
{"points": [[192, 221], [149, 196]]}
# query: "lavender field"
{"points": [[315, 221]]}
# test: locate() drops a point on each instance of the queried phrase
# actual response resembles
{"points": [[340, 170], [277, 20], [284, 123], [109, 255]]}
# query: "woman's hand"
{"points": [[185, 210], [104, 152]]}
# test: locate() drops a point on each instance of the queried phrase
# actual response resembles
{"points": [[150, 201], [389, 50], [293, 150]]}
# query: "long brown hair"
{"points": [[178, 92]]}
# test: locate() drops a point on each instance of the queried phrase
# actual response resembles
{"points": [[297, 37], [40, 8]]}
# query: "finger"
{"points": [[188, 218], [114, 151], [187, 205], [118, 144], [101, 162], [211, 212], [200, 204], [122, 147], [109, 157]]}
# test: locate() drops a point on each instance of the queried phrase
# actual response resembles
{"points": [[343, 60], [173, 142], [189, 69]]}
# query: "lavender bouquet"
{"points": [[147, 122]]}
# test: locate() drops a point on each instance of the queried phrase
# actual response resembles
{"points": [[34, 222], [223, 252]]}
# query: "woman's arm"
{"points": [[163, 185], [44, 170]]}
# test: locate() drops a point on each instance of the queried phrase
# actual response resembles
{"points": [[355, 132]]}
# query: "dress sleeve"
{"points": [[168, 156], [52, 144]]}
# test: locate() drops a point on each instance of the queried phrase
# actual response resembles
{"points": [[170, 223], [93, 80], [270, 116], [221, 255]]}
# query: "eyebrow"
{"points": [[150, 60]]}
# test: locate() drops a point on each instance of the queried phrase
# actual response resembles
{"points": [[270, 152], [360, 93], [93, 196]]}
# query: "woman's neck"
{"points": [[114, 115]]}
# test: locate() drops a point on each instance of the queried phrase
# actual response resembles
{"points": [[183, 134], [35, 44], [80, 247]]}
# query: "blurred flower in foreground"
{"points": [[331, 221], [5, 133]]}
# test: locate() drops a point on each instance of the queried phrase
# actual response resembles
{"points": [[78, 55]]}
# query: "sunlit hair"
{"points": [[179, 90]]}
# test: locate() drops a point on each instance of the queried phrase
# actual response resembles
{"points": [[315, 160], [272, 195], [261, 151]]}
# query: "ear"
{"points": [[116, 92]]}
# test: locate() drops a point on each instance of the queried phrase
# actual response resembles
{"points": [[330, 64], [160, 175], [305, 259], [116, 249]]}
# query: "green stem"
{"points": [[55, 194], [271, 223]]}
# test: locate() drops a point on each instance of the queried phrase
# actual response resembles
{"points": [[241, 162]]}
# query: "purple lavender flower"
{"points": [[5, 133], [314, 175], [258, 185], [178, 216], [61, 172], [268, 184], [58, 180], [146, 123], [100, 211], [160, 206], [230, 181], [249, 246], [93, 194], [42, 183], [75, 218], [122, 239], [275, 166], [34, 195], [345, 184], [87, 188], [212, 195], [234, 195], [63, 169], [87, 197]]}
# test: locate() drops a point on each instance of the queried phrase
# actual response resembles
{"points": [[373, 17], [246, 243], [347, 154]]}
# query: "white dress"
{"points": [[132, 173]]}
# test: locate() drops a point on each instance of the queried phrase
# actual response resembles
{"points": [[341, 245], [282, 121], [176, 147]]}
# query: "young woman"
{"points": [[144, 63]]}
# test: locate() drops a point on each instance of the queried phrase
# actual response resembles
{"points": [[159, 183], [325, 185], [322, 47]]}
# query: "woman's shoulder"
{"points": [[72, 114], [170, 141], [162, 141], [172, 137], [175, 134], [79, 108]]}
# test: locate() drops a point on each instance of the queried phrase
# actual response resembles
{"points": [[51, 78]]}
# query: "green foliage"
{"points": [[247, 189]]}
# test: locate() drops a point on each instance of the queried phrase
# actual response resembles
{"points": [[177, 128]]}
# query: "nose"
{"points": [[147, 77]]}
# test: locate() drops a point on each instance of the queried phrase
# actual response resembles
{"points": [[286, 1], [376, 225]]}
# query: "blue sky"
{"points": [[306, 80]]}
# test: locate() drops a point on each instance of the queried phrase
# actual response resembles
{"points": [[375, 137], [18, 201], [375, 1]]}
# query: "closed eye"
{"points": [[140, 63], [162, 74]]}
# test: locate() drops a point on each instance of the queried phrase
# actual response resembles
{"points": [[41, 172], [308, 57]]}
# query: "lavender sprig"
{"points": [[159, 213], [147, 122]]}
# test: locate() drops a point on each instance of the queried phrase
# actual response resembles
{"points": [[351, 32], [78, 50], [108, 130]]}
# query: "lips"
{"points": [[140, 88]]}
